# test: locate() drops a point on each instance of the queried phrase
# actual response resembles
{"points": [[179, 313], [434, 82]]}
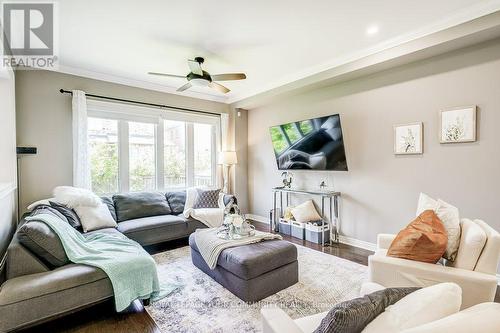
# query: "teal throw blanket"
{"points": [[130, 268]]}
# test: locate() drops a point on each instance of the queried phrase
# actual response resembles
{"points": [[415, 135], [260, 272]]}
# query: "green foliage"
{"points": [[305, 127], [292, 132], [104, 167], [278, 139]]}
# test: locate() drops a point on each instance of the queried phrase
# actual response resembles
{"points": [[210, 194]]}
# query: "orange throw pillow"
{"points": [[424, 239]]}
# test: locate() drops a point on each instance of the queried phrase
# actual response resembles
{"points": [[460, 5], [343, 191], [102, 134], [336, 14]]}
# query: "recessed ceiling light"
{"points": [[372, 30]]}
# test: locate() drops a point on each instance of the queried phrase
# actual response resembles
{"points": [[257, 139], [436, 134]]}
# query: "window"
{"points": [[141, 149], [174, 139], [142, 158], [292, 132], [280, 143], [202, 155], [306, 127], [103, 152]]}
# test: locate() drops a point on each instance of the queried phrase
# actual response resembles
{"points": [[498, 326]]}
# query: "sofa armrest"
{"points": [[482, 317], [275, 320], [395, 272], [384, 241]]}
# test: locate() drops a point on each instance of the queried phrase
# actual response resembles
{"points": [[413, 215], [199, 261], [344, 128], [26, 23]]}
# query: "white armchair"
{"points": [[478, 284]]}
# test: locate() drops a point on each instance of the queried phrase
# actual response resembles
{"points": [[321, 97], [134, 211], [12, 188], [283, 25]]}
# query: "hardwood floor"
{"points": [[102, 317]]}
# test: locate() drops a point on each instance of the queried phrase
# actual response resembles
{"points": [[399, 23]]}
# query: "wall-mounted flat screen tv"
{"points": [[313, 144]]}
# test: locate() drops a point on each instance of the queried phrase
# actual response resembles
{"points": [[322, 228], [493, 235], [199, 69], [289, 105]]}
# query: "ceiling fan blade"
{"points": [[229, 77], [195, 67], [184, 87], [168, 75], [219, 87]]}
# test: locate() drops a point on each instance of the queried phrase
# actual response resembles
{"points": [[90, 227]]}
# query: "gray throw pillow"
{"points": [[135, 205], [207, 199], [111, 206], [354, 315], [39, 238], [176, 200], [68, 213]]}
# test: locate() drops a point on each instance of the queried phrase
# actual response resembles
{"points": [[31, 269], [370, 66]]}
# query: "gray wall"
{"points": [[380, 191], [44, 121]]}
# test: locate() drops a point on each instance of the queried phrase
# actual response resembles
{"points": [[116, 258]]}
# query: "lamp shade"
{"points": [[228, 158]]}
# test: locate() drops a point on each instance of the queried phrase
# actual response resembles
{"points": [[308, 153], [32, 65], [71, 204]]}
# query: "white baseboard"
{"points": [[357, 243], [257, 218]]}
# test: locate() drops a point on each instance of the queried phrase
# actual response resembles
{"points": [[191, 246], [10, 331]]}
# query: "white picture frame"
{"points": [[457, 125], [409, 139]]}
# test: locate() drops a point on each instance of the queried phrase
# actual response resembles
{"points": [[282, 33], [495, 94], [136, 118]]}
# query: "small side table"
{"points": [[332, 196]]}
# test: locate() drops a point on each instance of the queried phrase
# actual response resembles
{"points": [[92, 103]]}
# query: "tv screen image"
{"points": [[313, 144]]}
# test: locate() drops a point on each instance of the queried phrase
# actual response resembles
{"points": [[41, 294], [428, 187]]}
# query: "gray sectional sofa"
{"points": [[39, 282]]}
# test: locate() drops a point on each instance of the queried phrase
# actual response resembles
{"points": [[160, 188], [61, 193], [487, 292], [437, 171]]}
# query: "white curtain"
{"points": [[224, 128], [81, 163], [224, 136]]}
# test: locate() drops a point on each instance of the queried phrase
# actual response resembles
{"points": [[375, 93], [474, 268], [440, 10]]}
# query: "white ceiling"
{"points": [[273, 42]]}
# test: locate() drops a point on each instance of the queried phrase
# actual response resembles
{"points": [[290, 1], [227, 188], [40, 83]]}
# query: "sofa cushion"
{"points": [[39, 238], [424, 239], [252, 260], [176, 200], [68, 213], [28, 299], [354, 315], [156, 229], [472, 243], [108, 201], [140, 204]]}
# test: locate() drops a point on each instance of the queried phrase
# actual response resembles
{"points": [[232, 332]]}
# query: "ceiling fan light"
{"points": [[199, 82]]}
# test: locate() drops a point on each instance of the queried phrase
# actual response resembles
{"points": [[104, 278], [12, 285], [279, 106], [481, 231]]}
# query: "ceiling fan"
{"points": [[199, 77]]}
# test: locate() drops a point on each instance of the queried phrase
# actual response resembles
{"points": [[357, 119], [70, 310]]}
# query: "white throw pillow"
{"points": [[425, 202], [74, 196], [449, 216], [94, 218], [306, 212], [418, 308], [472, 243], [191, 195]]}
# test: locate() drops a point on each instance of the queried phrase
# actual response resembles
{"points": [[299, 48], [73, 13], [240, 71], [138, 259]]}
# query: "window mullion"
{"points": [[160, 155], [123, 155], [190, 154]]}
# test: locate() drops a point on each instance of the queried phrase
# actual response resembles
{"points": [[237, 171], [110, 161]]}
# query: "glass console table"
{"points": [[331, 196]]}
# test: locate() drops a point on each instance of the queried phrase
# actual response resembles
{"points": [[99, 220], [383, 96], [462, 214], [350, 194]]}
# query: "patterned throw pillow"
{"points": [[354, 315], [207, 199]]}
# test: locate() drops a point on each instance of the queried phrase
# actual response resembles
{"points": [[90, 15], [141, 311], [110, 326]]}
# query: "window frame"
{"points": [[125, 113]]}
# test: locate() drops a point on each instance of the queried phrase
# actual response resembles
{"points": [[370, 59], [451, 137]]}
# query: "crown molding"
{"points": [[136, 83]]}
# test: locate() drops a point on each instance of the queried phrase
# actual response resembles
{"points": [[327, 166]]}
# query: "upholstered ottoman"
{"points": [[255, 271]]}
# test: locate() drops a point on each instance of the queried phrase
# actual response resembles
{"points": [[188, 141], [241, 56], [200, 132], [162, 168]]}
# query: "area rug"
{"points": [[201, 305]]}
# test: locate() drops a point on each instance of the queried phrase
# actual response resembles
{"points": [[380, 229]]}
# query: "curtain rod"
{"points": [[62, 91]]}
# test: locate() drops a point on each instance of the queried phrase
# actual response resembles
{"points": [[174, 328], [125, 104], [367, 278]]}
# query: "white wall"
{"points": [[380, 191], [7, 160]]}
